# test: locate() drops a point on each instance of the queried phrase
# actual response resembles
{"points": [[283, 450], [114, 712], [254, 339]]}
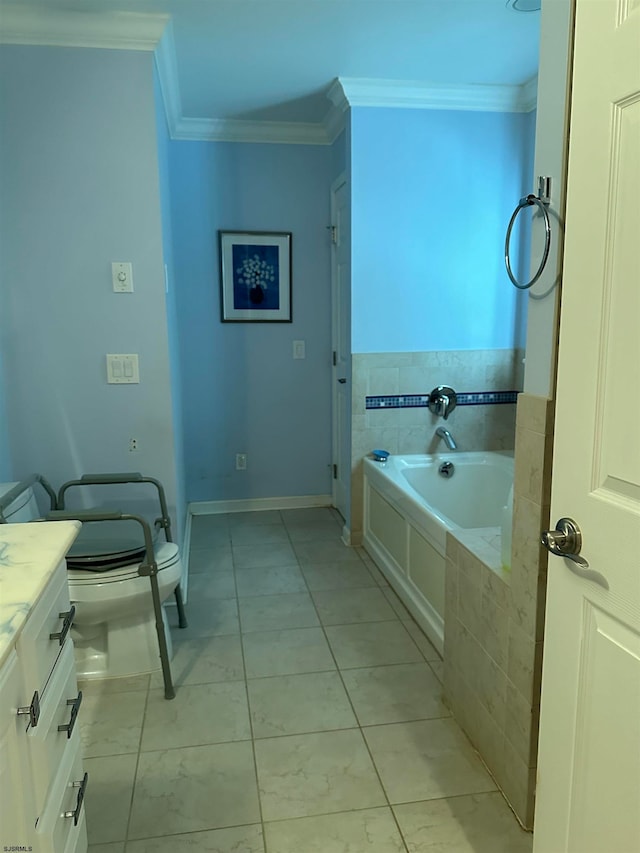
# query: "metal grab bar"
{"points": [[527, 201]]}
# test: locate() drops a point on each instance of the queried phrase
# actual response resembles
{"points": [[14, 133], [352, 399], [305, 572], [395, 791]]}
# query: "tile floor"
{"points": [[308, 716]]}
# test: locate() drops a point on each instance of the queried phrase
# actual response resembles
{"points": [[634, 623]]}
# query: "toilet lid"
{"points": [[106, 545], [166, 554]]}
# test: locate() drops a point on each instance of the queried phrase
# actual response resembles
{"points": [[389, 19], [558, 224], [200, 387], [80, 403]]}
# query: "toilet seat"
{"points": [[166, 554], [106, 545]]}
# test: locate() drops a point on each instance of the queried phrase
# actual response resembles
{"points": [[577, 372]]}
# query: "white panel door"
{"points": [[341, 396], [588, 793]]}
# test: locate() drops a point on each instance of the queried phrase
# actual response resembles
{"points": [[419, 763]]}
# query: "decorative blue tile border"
{"points": [[404, 401], [487, 398], [409, 401]]}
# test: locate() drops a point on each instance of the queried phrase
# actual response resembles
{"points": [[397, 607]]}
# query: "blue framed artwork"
{"points": [[255, 276]]}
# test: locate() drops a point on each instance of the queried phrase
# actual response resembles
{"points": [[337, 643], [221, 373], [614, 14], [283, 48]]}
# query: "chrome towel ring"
{"points": [[527, 201]]}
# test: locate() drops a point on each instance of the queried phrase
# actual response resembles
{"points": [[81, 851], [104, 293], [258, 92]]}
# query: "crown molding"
{"points": [[413, 94], [154, 32], [238, 130], [115, 30], [337, 95], [529, 94]]}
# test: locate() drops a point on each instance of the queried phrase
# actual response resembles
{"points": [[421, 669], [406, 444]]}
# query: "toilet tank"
{"points": [[23, 508]]}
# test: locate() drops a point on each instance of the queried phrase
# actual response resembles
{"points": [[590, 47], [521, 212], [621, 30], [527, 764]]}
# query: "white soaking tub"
{"points": [[408, 509]]}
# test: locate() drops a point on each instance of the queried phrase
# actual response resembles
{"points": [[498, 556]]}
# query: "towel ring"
{"points": [[527, 201]]}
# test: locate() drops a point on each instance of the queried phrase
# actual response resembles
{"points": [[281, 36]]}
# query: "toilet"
{"points": [[113, 629]]}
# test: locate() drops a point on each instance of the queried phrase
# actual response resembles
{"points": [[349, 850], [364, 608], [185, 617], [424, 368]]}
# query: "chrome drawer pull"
{"points": [[66, 625], [75, 814], [33, 710], [75, 707]]}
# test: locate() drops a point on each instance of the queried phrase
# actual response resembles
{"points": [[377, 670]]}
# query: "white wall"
{"points": [[550, 160], [171, 298], [78, 128]]}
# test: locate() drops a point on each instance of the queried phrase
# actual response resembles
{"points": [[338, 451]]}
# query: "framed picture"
{"points": [[255, 276]]}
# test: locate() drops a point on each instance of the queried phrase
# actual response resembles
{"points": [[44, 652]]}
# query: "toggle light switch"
{"points": [[123, 369]]}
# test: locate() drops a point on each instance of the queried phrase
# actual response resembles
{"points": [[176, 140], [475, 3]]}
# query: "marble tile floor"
{"points": [[308, 716]]}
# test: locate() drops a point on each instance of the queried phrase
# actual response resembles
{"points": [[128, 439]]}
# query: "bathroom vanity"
{"points": [[42, 781]]}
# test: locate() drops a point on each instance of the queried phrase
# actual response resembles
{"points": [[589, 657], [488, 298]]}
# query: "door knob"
{"points": [[565, 541], [342, 380]]}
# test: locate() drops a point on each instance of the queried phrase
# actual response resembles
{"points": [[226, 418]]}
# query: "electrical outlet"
{"points": [[133, 445], [241, 461]]}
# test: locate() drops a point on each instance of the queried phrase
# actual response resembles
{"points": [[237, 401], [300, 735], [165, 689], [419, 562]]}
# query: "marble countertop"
{"points": [[29, 554]]}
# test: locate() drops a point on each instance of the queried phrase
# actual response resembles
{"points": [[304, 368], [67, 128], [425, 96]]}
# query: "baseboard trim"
{"points": [[353, 540], [257, 504]]}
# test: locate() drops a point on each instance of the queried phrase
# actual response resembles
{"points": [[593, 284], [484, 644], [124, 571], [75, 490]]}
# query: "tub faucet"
{"points": [[446, 436], [442, 401]]}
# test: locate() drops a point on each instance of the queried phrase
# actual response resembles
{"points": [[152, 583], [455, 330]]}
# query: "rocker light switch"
{"points": [[122, 369]]}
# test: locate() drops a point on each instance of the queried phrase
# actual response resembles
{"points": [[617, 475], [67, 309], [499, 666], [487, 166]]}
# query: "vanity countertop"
{"points": [[29, 554]]}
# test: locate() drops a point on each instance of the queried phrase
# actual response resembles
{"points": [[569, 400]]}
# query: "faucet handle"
{"points": [[442, 401]]}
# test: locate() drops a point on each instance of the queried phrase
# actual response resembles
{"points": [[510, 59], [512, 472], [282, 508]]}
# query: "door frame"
{"points": [[336, 439]]}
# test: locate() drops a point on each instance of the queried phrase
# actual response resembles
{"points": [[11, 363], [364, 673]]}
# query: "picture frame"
{"points": [[255, 276]]}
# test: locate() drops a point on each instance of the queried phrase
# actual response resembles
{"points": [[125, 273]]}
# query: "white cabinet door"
{"points": [[16, 807]]}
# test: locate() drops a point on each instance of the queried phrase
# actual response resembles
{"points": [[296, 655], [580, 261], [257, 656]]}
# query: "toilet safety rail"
{"points": [[163, 522], [9, 497], [148, 568]]}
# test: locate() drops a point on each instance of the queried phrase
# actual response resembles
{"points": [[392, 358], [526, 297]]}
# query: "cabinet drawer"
{"points": [[57, 828], [37, 649], [49, 740]]}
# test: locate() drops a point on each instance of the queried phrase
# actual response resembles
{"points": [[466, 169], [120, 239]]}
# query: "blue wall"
{"points": [[242, 390], [79, 131], [432, 193]]}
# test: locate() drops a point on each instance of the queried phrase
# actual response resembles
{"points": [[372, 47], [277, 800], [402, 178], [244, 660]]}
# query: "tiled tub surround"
{"points": [[411, 429], [308, 715], [494, 624]]}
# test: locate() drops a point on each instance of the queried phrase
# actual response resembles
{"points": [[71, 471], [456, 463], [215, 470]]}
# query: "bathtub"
{"points": [[408, 509]]}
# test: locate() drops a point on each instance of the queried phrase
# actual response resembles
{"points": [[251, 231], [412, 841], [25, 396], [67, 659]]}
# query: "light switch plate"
{"points": [[299, 349], [122, 277], [122, 369]]}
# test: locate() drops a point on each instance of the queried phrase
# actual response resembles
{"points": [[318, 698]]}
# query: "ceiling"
{"points": [[275, 60]]}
